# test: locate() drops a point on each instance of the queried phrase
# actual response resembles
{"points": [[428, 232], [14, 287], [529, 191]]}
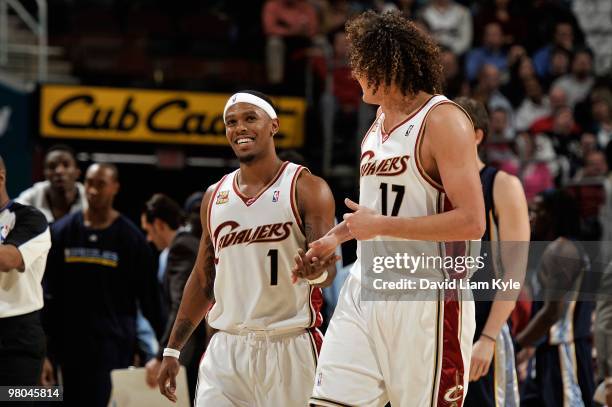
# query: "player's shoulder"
{"points": [[507, 186], [444, 110], [312, 190], [309, 182]]}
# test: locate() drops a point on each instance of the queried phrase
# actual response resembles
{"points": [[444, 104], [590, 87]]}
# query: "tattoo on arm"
{"points": [[209, 270], [183, 328], [309, 232]]}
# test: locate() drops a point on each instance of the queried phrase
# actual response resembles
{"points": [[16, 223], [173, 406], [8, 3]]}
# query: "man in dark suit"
{"points": [[162, 219]]}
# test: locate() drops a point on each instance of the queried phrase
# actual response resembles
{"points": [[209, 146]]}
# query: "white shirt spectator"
{"points": [[529, 111], [36, 196], [450, 24], [575, 90]]}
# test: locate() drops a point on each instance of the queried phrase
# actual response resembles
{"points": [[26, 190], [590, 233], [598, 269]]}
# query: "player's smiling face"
{"points": [[249, 130]]}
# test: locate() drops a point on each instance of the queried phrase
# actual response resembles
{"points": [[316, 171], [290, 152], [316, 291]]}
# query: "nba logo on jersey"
{"points": [[275, 196], [4, 231], [409, 130], [319, 377], [223, 197]]}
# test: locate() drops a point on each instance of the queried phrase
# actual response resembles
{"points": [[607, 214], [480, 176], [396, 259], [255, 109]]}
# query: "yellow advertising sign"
{"points": [[154, 116]]}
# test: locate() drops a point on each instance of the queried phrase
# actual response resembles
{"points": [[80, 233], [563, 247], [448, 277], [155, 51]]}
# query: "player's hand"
{"points": [[482, 355], [310, 268], [152, 371], [322, 248], [166, 379], [525, 354], [361, 223], [47, 376]]}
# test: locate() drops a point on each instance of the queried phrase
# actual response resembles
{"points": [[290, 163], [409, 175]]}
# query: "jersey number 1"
{"points": [[273, 254], [399, 195]]}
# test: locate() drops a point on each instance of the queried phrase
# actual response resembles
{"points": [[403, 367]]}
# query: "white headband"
{"points": [[252, 99]]}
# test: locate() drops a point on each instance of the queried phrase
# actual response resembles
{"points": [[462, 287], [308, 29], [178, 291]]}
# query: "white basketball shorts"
{"points": [[256, 369], [412, 353]]}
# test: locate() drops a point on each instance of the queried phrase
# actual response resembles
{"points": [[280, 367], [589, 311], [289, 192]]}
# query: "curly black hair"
{"points": [[388, 49]]}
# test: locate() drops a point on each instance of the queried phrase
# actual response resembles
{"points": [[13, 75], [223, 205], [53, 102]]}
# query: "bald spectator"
{"points": [[450, 23]]}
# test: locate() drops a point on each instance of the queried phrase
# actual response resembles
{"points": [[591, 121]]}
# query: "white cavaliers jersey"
{"points": [[255, 241], [393, 182]]}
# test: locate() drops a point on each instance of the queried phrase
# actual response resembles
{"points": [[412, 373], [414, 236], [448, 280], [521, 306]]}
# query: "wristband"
{"points": [[319, 279], [488, 337], [173, 353]]}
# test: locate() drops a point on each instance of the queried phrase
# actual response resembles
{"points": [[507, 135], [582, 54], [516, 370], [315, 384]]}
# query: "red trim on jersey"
{"points": [[209, 209], [417, 150], [454, 249], [316, 303], [385, 135], [248, 201], [365, 137], [450, 387], [317, 339], [294, 206]]}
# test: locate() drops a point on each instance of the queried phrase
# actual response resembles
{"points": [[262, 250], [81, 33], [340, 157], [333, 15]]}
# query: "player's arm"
{"points": [[449, 148], [197, 296], [560, 267], [514, 233], [317, 209]]}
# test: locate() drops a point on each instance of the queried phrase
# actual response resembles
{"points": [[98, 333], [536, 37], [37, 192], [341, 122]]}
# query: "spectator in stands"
{"points": [[534, 106], [162, 219], [24, 244], [601, 110], [563, 37], [579, 82], [506, 15], [408, 8], [192, 209], [560, 59], [455, 83], [557, 100], [287, 24], [595, 166], [535, 153], [60, 193], [500, 127], [520, 68], [491, 52], [334, 14], [450, 23], [487, 90], [98, 269]]}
